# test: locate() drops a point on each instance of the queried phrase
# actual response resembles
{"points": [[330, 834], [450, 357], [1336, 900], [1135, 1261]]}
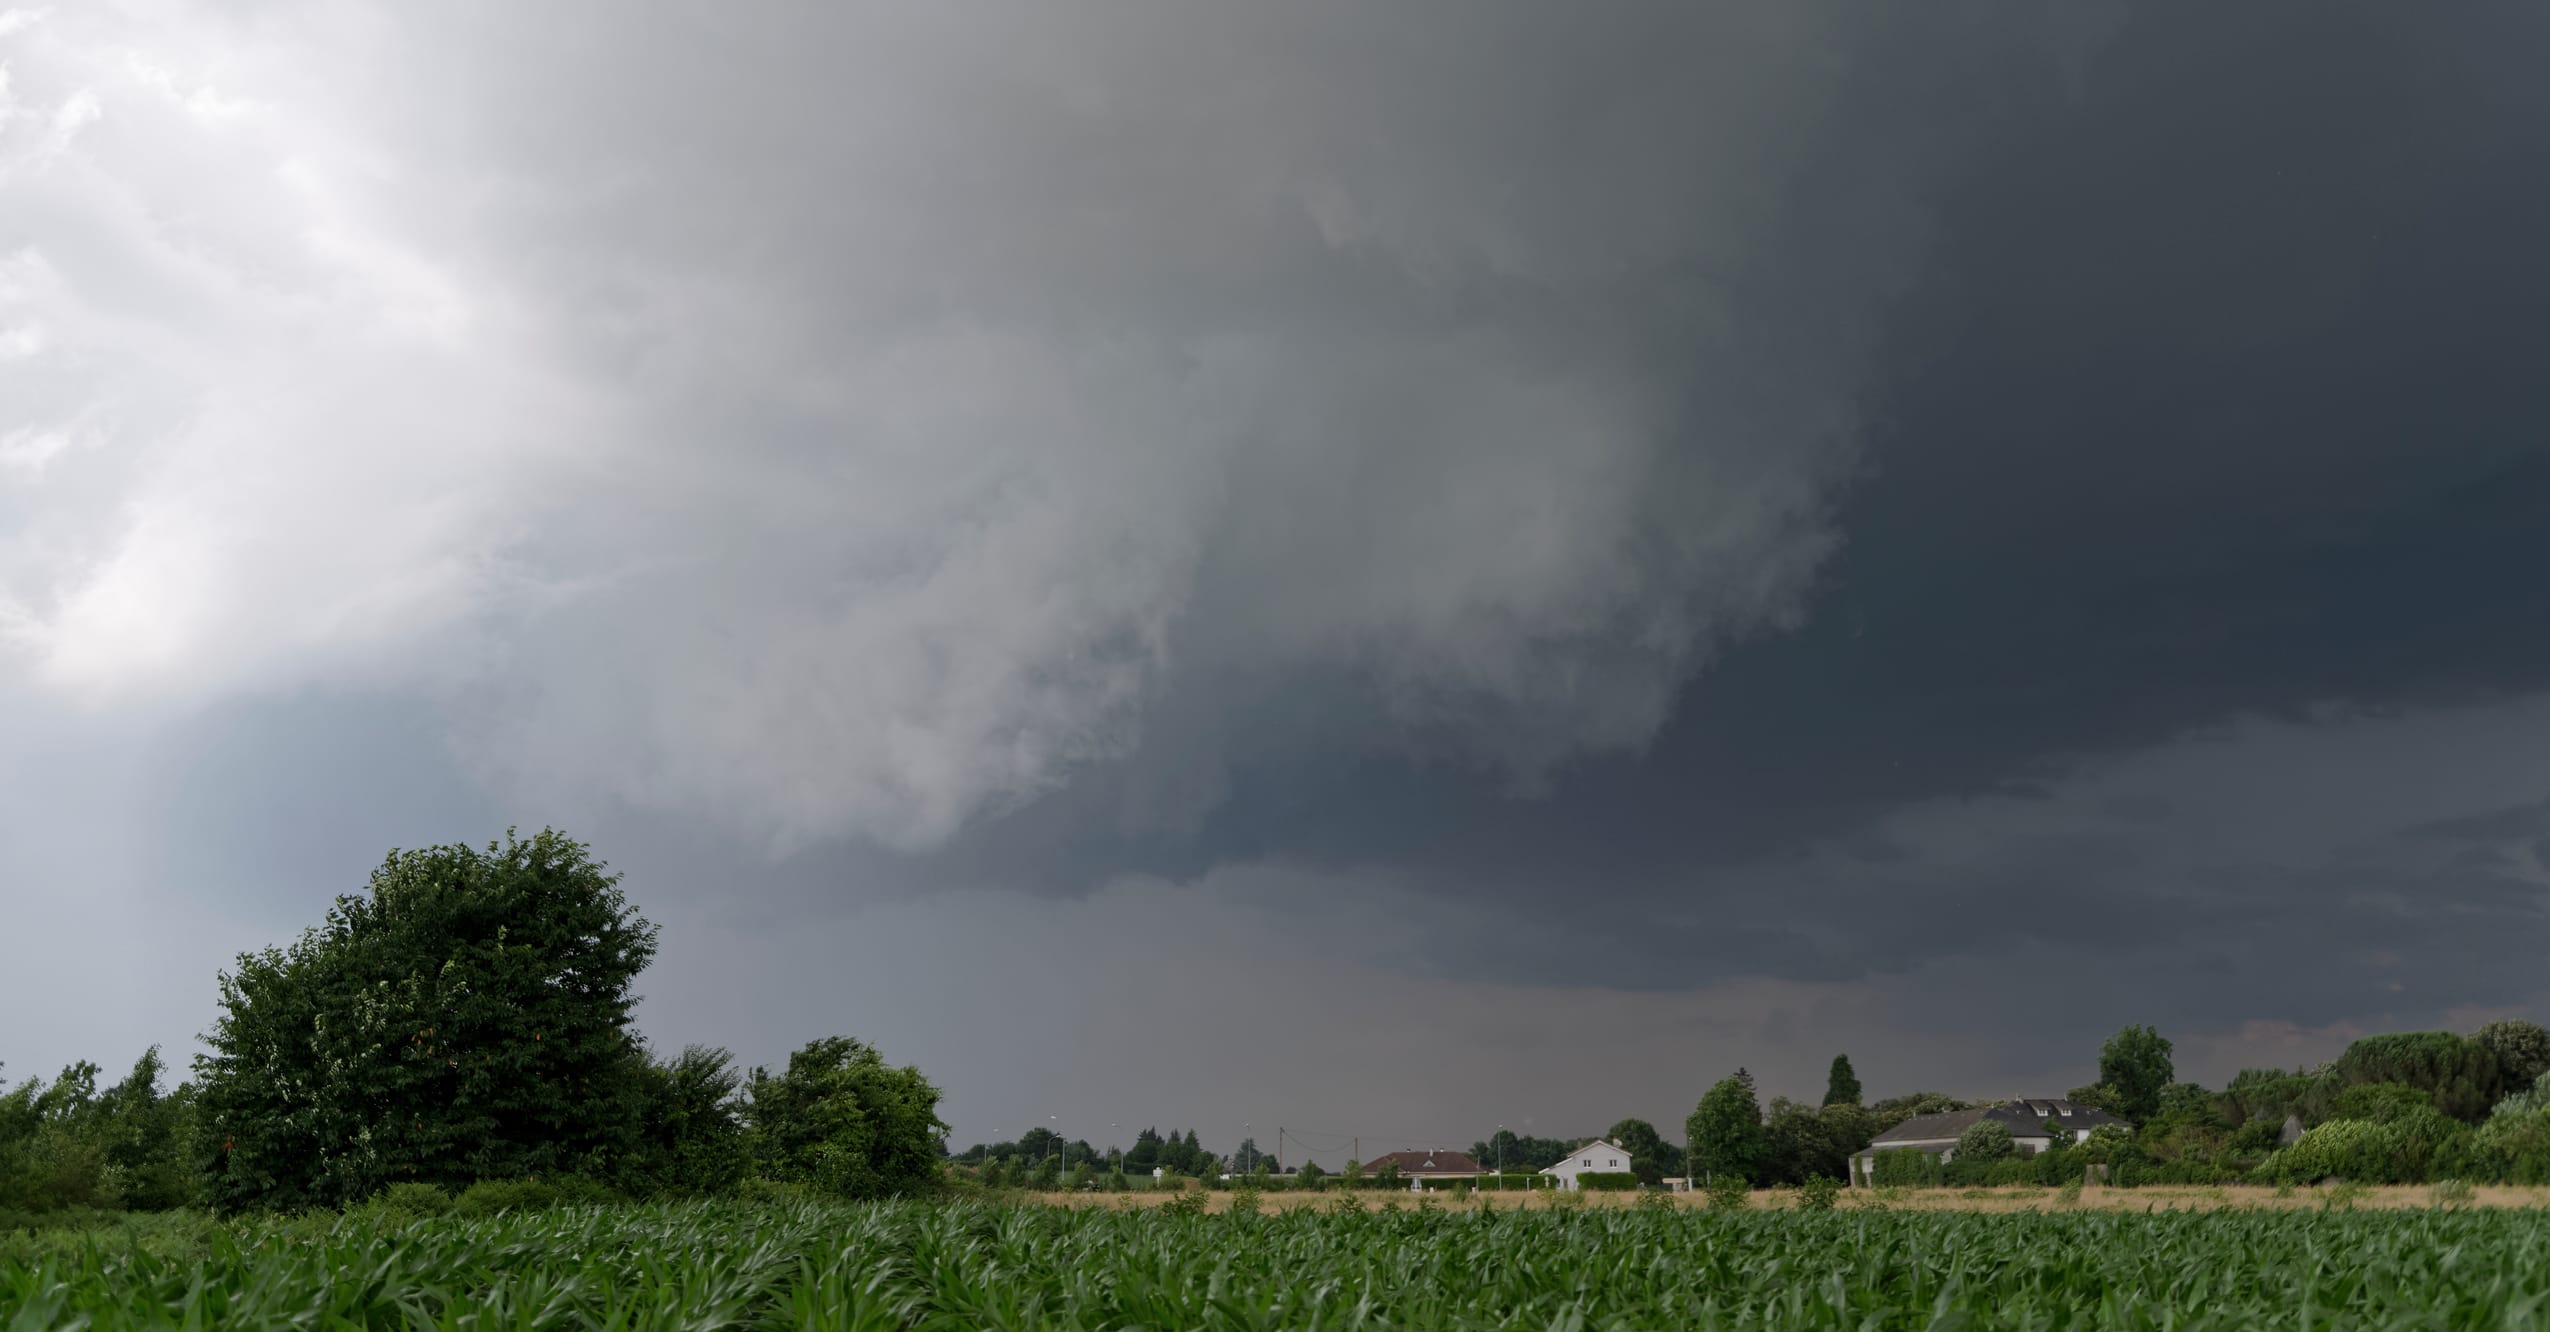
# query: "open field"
{"points": [[931, 1266], [2147, 1199]]}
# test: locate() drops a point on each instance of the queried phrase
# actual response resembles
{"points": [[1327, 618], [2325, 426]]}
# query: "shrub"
{"points": [[1730, 1193], [1986, 1140], [1906, 1167], [2381, 1102], [488, 1197], [1819, 1194], [2521, 1049], [416, 1199], [1607, 1181]]}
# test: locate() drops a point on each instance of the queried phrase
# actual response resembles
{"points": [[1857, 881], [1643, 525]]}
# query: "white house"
{"points": [[1594, 1158], [2035, 1124]]}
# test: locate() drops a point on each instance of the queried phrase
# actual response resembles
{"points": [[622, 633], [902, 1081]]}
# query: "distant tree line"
{"points": [[2399, 1108], [465, 1020]]}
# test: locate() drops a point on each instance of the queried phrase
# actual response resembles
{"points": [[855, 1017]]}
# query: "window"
{"points": [[1589, 1160], [1615, 1163]]}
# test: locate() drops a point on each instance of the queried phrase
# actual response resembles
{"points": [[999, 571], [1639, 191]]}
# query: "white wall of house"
{"points": [[1594, 1158]]}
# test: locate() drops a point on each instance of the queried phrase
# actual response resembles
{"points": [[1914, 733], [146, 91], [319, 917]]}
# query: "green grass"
{"points": [[941, 1266]]}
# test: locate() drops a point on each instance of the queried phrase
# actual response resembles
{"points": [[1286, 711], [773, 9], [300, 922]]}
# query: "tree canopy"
{"points": [[466, 1019], [842, 1120], [1841, 1085], [1725, 1129], [1651, 1158], [2133, 1070]]}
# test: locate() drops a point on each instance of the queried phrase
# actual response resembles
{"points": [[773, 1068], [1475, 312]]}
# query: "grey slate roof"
{"points": [[2025, 1118]]}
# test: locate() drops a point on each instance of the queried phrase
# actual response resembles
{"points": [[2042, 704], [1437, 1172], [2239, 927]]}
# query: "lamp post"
{"points": [[1061, 1145]]}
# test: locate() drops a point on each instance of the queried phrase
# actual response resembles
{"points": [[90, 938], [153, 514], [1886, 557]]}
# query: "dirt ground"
{"points": [[2156, 1198]]}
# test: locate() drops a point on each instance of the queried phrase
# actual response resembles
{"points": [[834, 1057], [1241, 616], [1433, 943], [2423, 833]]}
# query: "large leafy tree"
{"points": [[1802, 1142], [466, 1018], [1726, 1129], [2134, 1069], [1841, 1086], [844, 1121], [1651, 1158]]}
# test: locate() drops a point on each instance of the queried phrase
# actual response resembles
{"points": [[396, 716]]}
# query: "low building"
{"points": [[1418, 1167], [2035, 1124], [1594, 1158]]}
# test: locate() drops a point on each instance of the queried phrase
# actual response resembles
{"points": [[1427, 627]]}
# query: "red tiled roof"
{"points": [[1426, 1163]]}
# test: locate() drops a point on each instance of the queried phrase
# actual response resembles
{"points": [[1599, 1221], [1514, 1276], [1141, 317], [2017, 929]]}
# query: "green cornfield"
{"points": [[930, 1266]]}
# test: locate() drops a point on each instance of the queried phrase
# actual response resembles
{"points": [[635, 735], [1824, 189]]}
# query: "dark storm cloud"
{"points": [[2215, 399], [1861, 520]]}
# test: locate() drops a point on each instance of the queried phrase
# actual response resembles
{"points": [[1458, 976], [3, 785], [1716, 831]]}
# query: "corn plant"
{"points": [[929, 1267]]}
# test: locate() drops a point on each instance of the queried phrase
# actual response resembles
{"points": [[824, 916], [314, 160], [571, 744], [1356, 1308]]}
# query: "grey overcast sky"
{"points": [[1384, 568]]}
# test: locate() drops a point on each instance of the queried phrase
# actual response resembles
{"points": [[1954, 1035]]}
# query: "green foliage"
{"points": [[2404, 1149], [1729, 1193], [2521, 1049], [2381, 1102], [2460, 1075], [489, 1197], [465, 1020], [1607, 1181], [1906, 1167], [842, 1121], [1725, 1130], [1800, 1142], [1894, 1110], [1311, 1175], [690, 1138], [1986, 1141], [2513, 1146], [940, 1267], [67, 1145], [1651, 1158], [1819, 1194], [2534, 1097], [417, 1199], [1841, 1085], [1508, 1152], [2133, 1068]]}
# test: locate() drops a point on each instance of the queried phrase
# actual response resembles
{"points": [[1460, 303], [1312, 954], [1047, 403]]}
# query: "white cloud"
{"points": [[842, 427]]}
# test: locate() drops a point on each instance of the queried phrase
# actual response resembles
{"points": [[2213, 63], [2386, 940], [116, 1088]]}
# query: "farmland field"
{"points": [[921, 1265]]}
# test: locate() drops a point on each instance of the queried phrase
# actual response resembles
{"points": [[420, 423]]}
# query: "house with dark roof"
{"points": [[2035, 1124], [1417, 1167]]}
